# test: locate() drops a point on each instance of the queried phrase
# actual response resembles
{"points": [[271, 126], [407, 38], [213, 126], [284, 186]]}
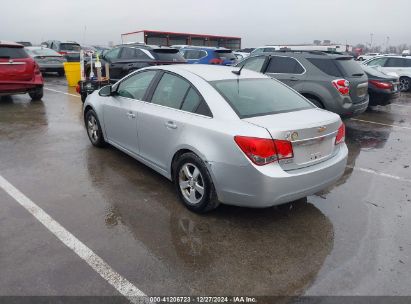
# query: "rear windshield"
{"points": [[12, 52], [349, 67], [42, 52], [70, 47], [225, 55], [258, 97], [168, 55]]}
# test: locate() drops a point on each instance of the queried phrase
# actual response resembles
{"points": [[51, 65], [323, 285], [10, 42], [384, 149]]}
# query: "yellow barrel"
{"points": [[73, 74]]}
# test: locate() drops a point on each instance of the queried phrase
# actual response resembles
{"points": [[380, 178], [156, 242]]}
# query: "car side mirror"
{"points": [[106, 91]]}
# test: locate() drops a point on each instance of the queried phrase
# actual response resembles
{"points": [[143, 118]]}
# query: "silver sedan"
{"points": [[220, 134]]}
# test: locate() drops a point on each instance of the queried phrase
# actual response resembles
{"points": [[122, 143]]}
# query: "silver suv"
{"points": [[333, 82]]}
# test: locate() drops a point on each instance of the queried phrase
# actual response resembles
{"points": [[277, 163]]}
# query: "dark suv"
{"points": [[333, 82], [125, 59], [70, 50]]}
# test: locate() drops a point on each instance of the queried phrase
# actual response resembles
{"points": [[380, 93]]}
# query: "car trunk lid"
{"points": [[312, 133]]}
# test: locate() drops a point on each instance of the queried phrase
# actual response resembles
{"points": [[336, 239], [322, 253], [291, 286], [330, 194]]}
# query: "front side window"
{"points": [[135, 86], [128, 53], [284, 65], [377, 62], [254, 63], [170, 91], [112, 54], [258, 97]]}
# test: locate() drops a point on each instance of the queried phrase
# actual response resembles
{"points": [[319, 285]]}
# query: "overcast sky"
{"points": [[257, 22]]}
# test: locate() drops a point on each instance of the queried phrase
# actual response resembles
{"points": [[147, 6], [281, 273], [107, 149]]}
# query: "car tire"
{"points": [[316, 102], [94, 131], [405, 84], [191, 177], [37, 94]]}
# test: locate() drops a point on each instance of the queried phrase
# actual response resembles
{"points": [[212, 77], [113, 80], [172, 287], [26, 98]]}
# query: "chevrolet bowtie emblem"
{"points": [[321, 129]]}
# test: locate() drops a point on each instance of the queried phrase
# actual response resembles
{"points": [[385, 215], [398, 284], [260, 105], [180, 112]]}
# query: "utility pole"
{"points": [[387, 45], [371, 35]]}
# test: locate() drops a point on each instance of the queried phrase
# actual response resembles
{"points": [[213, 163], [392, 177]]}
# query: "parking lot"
{"points": [[351, 239]]}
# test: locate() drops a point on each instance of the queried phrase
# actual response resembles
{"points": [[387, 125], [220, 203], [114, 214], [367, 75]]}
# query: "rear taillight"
{"points": [[340, 138], [262, 151], [216, 61], [36, 69], [381, 85], [342, 86], [62, 53], [78, 89]]}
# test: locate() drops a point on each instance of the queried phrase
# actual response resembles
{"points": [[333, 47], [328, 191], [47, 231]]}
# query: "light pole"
{"points": [[371, 35]]}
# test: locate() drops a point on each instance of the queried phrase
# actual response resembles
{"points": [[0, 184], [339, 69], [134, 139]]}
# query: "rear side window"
{"points": [[167, 55], [170, 91], [258, 97], [191, 101], [396, 63], [70, 47], [12, 52], [327, 66], [284, 65]]}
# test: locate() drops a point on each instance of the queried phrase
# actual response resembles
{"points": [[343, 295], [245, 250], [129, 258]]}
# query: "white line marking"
{"points": [[380, 123], [122, 285], [380, 174], [61, 92]]}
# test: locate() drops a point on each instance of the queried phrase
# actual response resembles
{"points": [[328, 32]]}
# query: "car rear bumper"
{"points": [[354, 109], [382, 97], [270, 185], [20, 87]]}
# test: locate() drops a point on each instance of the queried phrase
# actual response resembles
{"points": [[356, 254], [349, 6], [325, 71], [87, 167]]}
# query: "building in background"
{"points": [[171, 38]]}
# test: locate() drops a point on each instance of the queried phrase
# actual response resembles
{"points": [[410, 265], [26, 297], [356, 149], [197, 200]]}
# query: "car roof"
{"points": [[10, 43], [211, 72], [205, 48], [304, 54]]}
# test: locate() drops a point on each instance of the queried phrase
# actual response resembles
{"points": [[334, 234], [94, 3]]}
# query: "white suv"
{"points": [[400, 65]]}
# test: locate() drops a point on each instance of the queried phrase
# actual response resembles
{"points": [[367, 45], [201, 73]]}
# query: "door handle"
{"points": [[131, 115], [170, 125]]}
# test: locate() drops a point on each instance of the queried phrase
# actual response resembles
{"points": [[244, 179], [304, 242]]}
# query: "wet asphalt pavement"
{"points": [[351, 239]]}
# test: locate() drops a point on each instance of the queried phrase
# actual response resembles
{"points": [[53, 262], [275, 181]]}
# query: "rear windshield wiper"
{"points": [[358, 74], [8, 57]]}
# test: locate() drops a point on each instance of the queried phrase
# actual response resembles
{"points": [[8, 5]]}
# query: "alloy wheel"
{"points": [[92, 128], [404, 84], [191, 183]]}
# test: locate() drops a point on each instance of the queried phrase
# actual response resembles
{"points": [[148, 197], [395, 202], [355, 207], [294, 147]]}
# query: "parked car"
{"points": [[222, 135], [24, 43], [125, 59], [367, 56], [382, 88], [241, 55], [47, 59], [19, 73], [70, 50], [400, 65], [208, 55], [334, 82]]}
